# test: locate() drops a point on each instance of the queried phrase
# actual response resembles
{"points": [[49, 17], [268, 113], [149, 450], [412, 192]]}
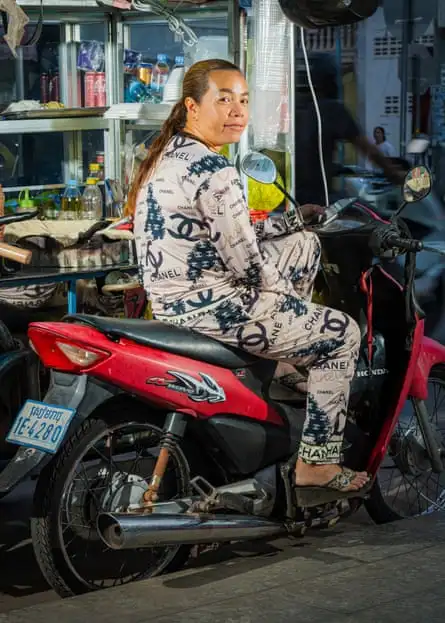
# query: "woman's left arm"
{"points": [[224, 212]]}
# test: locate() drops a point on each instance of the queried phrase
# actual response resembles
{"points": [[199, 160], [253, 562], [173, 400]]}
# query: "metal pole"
{"points": [[407, 37], [291, 107]]}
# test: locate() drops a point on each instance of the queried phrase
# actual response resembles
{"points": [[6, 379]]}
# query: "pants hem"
{"points": [[328, 453]]}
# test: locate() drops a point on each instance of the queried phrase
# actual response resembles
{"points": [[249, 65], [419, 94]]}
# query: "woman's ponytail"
{"points": [[171, 126], [195, 85]]}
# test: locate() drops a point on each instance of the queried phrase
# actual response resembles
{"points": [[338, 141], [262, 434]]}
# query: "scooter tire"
{"points": [[45, 531], [378, 510]]}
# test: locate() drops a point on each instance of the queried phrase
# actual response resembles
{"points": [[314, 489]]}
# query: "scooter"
{"points": [[155, 439]]}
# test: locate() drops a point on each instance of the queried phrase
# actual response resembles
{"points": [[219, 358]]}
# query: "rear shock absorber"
{"points": [[174, 430]]}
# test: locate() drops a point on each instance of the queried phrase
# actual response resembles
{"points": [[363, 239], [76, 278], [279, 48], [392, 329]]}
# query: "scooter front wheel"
{"points": [[103, 467], [406, 486]]}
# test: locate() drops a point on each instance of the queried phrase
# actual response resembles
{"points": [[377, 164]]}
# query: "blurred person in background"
{"points": [[338, 125]]}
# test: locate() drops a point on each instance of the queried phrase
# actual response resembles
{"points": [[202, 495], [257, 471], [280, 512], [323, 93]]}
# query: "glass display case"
{"points": [[87, 60], [116, 74]]}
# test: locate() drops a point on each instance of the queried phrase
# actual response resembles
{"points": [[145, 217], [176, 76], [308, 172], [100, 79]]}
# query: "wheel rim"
{"points": [[99, 481], [407, 483]]}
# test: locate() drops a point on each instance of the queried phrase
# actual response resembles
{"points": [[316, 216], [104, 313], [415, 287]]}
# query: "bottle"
{"points": [[25, 202], [92, 203], [95, 171], [71, 202], [159, 76]]}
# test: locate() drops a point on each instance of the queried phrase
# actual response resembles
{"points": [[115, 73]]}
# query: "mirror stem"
{"points": [[397, 212], [286, 194], [291, 199]]}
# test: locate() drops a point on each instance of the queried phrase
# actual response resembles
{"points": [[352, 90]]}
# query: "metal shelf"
{"points": [[28, 126], [147, 115]]}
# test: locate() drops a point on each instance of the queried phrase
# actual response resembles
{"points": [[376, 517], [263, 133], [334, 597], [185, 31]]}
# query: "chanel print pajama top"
{"points": [[204, 266]]}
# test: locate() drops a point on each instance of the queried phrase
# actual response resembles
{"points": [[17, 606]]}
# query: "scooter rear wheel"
{"points": [[406, 486], [83, 479]]}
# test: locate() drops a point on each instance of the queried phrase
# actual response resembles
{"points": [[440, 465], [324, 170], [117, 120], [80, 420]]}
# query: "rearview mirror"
{"points": [[417, 184], [259, 167]]}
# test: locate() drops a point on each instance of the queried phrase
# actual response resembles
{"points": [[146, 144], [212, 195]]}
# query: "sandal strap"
{"points": [[342, 480]]}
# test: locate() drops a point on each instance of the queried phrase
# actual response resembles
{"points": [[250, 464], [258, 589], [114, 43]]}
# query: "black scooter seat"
{"points": [[169, 338]]}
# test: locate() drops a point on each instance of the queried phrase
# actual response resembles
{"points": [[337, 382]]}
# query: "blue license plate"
{"points": [[41, 426]]}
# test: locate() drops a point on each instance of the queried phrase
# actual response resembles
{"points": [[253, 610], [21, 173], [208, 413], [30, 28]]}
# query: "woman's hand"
{"points": [[310, 212]]}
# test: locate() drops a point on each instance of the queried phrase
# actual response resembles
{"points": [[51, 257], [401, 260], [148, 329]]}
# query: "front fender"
{"points": [[431, 353], [76, 392]]}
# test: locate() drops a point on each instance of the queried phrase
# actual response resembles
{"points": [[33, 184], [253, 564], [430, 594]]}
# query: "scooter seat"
{"points": [[169, 338]]}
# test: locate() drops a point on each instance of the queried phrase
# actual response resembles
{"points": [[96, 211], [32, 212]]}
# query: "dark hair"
{"points": [[382, 130], [195, 85]]}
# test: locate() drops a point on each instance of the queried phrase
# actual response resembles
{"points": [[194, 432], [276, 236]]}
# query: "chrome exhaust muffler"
{"points": [[127, 531]]}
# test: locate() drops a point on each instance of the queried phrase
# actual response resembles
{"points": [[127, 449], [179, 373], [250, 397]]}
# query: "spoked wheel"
{"points": [[406, 485], [105, 466]]}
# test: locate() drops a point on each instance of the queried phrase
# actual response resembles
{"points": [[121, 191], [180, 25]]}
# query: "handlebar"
{"points": [[407, 244], [22, 256]]}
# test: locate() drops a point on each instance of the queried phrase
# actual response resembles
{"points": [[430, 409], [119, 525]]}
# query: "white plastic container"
{"points": [[173, 88]]}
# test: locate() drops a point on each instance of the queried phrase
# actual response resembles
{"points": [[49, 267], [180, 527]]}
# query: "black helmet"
{"points": [[321, 13]]}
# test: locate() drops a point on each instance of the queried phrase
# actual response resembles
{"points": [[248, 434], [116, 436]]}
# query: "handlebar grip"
{"points": [[408, 244], [22, 256]]}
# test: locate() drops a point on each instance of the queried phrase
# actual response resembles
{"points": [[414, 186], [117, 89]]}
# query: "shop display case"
{"points": [[80, 62]]}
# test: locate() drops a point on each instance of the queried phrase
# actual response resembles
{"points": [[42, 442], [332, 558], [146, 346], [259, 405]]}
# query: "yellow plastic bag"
{"points": [[264, 197]]}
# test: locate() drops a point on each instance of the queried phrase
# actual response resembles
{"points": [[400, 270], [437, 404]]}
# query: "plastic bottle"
{"points": [[92, 202], [159, 76], [25, 201], [71, 202], [96, 171]]}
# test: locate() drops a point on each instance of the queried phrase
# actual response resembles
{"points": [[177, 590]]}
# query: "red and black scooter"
{"points": [[154, 438]]}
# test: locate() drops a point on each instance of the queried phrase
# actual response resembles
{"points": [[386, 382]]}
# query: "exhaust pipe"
{"points": [[126, 531]]}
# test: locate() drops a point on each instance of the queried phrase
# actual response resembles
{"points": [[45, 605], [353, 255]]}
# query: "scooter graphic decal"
{"points": [[204, 389]]}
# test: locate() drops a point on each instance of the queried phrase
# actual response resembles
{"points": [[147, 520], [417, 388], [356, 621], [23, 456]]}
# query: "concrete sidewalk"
{"points": [[391, 574]]}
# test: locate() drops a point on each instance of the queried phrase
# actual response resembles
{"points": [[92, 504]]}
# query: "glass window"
{"points": [[34, 74], [31, 159]]}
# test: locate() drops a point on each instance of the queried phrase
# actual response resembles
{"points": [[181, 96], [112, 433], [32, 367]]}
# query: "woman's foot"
{"points": [[328, 475]]}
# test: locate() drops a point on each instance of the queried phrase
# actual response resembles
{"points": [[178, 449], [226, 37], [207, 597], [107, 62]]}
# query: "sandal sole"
{"points": [[308, 497]]}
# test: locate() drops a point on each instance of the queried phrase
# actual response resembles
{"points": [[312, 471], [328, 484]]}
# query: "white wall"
{"points": [[378, 81]]}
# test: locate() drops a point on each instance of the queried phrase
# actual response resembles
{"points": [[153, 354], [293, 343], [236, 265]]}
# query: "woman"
{"points": [[382, 143], [203, 267], [383, 147]]}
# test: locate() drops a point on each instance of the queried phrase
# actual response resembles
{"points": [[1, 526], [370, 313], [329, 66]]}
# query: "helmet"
{"points": [[320, 13]]}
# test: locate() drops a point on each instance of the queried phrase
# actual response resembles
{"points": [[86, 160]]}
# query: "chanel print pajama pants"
{"points": [[293, 330]]}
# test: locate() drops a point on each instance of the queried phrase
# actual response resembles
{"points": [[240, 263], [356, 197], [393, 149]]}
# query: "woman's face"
{"points": [[222, 115], [378, 136]]}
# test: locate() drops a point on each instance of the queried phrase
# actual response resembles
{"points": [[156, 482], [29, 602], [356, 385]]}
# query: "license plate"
{"points": [[41, 426]]}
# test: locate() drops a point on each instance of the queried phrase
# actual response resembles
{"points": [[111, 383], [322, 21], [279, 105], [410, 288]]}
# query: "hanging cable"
{"points": [[318, 115]]}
